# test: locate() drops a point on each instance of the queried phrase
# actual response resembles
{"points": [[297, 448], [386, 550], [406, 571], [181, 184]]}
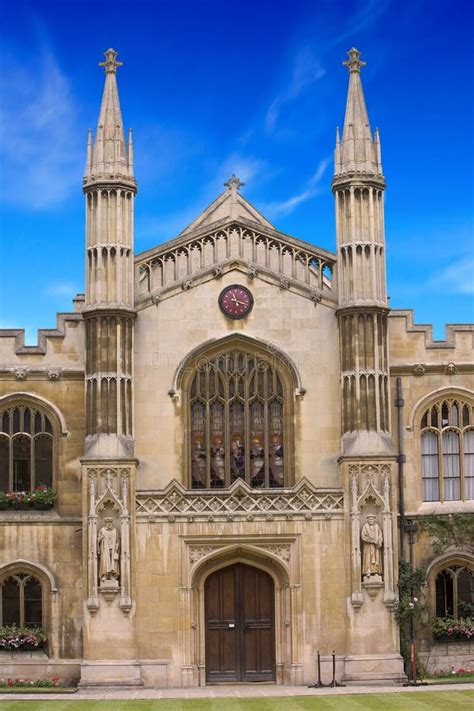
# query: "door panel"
{"points": [[240, 635], [222, 644]]}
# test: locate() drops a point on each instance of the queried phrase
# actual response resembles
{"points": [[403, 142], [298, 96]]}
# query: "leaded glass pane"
{"points": [[33, 603], [236, 422], [11, 602], [21, 463]]}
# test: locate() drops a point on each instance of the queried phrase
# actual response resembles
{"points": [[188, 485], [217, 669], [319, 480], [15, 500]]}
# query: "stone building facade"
{"points": [[220, 419]]}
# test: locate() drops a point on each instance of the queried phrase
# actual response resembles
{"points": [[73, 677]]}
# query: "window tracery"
{"points": [[236, 406], [455, 592], [26, 448], [21, 600], [447, 451]]}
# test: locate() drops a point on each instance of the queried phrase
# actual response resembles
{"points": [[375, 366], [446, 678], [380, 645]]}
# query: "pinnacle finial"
{"points": [[110, 63], [354, 63], [234, 183]]}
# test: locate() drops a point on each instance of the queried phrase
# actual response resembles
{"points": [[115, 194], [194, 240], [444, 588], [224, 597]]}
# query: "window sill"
{"points": [[22, 654], [445, 507]]}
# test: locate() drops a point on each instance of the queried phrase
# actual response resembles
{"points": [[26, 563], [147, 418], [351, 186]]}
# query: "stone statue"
{"points": [[372, 542], [108, 541]]}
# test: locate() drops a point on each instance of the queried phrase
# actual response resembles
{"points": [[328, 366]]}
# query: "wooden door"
{"points": [[240, 629]]}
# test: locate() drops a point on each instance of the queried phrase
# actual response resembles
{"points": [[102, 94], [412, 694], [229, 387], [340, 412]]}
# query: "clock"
{"points": [[235, 301]]}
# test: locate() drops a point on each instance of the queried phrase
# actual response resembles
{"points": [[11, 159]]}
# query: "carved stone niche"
{"points": [[371, 533], [108, 524]]}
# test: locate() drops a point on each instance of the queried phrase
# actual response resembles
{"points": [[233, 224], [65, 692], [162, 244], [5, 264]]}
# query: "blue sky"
{"points": [[254, 87]]}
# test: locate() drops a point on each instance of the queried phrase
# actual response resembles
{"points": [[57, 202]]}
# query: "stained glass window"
{"points": [[236, 422]]}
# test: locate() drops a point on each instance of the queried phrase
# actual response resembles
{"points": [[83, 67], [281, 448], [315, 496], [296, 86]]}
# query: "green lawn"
{"points": [[418, 701]]}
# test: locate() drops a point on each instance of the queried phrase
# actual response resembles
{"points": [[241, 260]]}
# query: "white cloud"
{"points": [[457, 278], [310, 190], [306, 70], [61, 289], [40, 155]]}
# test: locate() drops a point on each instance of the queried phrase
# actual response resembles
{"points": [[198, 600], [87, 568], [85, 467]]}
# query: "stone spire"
{"points": [[110, 155], [358, 152]]}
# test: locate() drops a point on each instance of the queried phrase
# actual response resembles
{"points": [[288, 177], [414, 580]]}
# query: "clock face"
{"points": [[236, 301]]}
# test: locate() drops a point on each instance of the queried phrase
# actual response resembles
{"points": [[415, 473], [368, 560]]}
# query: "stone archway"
{"points": [[287, 620], [239, 609]]}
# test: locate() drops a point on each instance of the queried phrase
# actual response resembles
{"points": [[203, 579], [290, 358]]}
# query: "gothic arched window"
{"points": [[26, 448], [21, 600], [447, 451], [455, 592], [237, 411]]}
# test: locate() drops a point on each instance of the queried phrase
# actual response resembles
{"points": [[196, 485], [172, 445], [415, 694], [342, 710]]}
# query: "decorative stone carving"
{"points": [[155, 298], [284, 283], [419, 369], [218, 270], [253, 270], [186, 284], [198, 552], [21, 373], [451, 368], [281, 550], [109, 490], [372, 554], [315, 296], [241, 501], [372, 542], [108, 541], [54, 373]]}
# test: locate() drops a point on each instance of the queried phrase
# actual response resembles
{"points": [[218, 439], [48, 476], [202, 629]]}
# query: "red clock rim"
{"points": [[221, 298]]}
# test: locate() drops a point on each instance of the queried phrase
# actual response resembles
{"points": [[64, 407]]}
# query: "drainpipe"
{"points": [[401, 459]]}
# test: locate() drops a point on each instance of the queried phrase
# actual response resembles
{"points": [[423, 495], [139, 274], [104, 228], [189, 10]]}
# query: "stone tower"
{"points": [[358, 186], [109, 469], [367, 461], [110, 188]]}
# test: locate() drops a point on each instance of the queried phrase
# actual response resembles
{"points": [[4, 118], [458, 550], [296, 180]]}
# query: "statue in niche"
{"points": [[372, 542], [108, 541]]}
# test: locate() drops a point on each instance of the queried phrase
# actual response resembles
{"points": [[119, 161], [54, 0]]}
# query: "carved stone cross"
{"points": [[110, 63], [234, 183], [354, 63]]}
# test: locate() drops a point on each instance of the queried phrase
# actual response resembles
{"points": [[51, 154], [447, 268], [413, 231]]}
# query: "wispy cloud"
{"points": [[245, 167], [61, 289], [457, 278], [39, 151], [310, 190], [306, 70]]}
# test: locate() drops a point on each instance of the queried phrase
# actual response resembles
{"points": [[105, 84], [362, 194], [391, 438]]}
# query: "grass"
{"points": [[412, 701]]}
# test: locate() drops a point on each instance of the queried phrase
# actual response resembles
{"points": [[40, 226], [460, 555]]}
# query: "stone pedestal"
{"points": [[373, 669], [111, 673]]}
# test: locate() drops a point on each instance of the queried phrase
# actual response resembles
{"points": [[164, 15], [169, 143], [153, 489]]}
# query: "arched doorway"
{"points": [[240, 625]]}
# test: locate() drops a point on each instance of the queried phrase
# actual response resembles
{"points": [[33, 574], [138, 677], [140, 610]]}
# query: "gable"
{"points": [[230, 205]]}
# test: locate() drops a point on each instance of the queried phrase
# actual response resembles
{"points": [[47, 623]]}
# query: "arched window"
{"points": [[237, 411], [26, 448], [447, 451], [21, 600], [455, 592]]}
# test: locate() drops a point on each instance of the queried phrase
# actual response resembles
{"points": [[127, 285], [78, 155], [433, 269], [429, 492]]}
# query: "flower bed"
{"points": [[446, 628], [48, 683], [13, 638], [43, 497]]}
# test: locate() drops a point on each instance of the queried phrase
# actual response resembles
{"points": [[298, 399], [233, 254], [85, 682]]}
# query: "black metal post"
{"points": [[334, 683], [319, 684]]}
